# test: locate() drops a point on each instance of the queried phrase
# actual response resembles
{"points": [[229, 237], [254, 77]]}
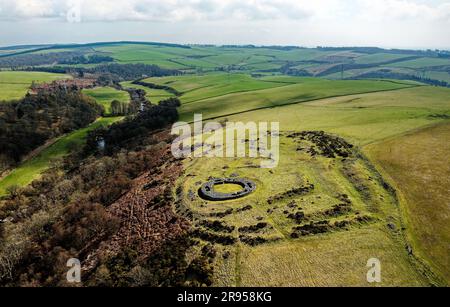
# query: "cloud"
{"points": [[157, 10], [403, 10], [384, 23], [182, 10]]}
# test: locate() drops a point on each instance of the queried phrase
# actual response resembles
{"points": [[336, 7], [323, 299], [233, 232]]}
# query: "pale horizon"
{"points": [[391, 24]]}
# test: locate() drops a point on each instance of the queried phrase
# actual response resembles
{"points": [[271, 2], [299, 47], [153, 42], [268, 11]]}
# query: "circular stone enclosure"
{"points": [[207, 189]]}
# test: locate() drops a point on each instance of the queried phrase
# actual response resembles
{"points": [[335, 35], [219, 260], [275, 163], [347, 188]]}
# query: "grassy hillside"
{"points": [[333, 257], [32, 168], [153, 95], [379, 58], [200, 87], [15, 84], [422, 63], [346, 211], [338, 258], [306, 90], [418, 165], [105, 95], [361, 118], [261, 60], [142, 54], [438, 75]]}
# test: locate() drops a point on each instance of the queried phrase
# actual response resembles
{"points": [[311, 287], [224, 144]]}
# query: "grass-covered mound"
{"points": [[324, 206]]}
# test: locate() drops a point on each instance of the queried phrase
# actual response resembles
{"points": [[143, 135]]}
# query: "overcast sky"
{"points": [[383, 23]]}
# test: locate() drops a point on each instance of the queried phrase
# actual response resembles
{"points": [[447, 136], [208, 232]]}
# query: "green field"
{"points": [[105, 95], [208, 58], [142, 54], [399, 130], [379, 58], [297, 55], [15, 84], [263, 60], [195, 88], [418, 164], [334, 258], [153, 95], [364, 118], [364, 112], [12, 51], [438, 75], [430, 74], [382, 110], [32, 169], [306, 90], [357, 73], [422, 63]]}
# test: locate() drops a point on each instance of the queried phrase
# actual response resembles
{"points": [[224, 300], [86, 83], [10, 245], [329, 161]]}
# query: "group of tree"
{"points": [[90, 59], [64, 214], [120, 108], [124, 134], [387, 74], [129, 71], [157, 87], [36, 59], [28, 123], [289, 69], [444, 54], [111, 73]]}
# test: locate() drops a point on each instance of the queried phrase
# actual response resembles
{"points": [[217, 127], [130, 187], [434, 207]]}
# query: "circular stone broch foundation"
{"points": [[207, 190]]}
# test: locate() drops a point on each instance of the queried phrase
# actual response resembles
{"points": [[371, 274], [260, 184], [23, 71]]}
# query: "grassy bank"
{"points": [[33, 168]]}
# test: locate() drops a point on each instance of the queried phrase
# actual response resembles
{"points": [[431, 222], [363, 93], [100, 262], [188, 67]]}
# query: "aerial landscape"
{"points": [[339, 175]]}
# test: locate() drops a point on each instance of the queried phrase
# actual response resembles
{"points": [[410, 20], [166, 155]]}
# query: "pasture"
{"points": [[105, 95], [15, 84], [283, 94], [438, 75], [374, 121], [422, 63], [32, 168], [261, 60], [266, 252], [417, 162], [153, 95], [315, 219], [379, 58], [166, 57], [201, 87], [361, 118]]}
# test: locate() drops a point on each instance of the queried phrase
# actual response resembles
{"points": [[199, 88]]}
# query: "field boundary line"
{"points": [[238, 92], [423, 264], [408, 132], [304, 101]]}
